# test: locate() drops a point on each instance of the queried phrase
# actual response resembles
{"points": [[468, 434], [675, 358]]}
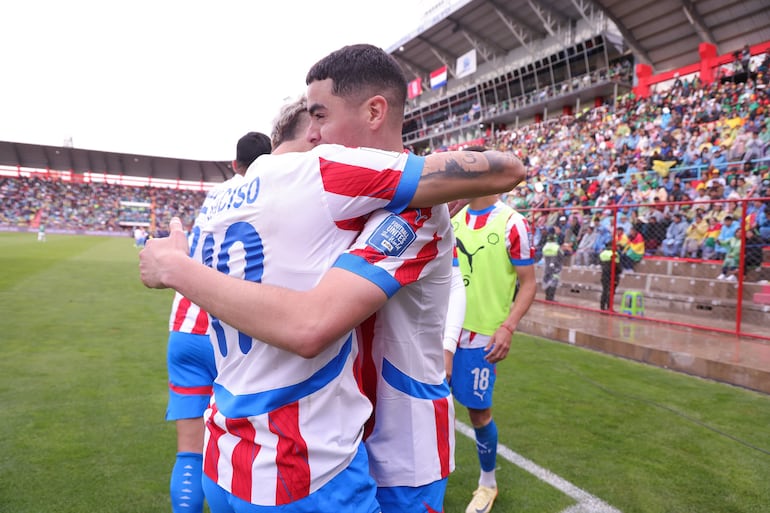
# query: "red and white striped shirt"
{"points": [[518, 239], [186, 316], [402, 355], [282, 426]]}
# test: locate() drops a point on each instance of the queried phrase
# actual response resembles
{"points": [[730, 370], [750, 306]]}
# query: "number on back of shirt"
{"points": [[240, 239]]}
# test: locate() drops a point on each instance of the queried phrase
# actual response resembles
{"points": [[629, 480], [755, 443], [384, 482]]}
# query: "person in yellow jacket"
{"points": [[694, 237], [606, 263]]}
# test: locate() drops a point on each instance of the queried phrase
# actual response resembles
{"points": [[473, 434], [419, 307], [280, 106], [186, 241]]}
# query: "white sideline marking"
{"points": [[586, 503]]}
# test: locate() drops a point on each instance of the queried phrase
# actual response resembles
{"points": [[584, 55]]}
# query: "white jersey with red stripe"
{"points": [[410, 437], [282, 426], [518, 243], [518, 240], [186, 316]]}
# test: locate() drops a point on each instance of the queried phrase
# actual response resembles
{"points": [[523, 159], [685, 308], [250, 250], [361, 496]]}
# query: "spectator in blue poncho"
{"points": [[726, 234], [675, 235]]}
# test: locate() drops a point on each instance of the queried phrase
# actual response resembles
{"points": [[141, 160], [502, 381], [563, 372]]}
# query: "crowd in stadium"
{"points": [[704, 144], [62, 205]]}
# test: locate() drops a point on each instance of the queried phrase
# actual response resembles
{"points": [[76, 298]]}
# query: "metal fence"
{"points": [[699, 264]]}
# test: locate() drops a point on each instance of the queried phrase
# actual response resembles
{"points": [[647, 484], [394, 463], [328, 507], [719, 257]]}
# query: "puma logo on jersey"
{"points": [[469, 256]]}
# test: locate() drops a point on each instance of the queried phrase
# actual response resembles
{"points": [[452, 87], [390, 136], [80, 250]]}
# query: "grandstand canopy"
{"points": [[80, 161], [662, 33], [666, 34]]}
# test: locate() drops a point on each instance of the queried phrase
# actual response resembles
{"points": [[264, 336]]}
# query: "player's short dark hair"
{"points": [[362, 70], [251, 146]]}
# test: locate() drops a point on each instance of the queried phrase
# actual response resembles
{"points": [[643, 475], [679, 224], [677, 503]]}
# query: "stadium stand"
{"points": [[626, 115], [75, 190], [67, 207]]}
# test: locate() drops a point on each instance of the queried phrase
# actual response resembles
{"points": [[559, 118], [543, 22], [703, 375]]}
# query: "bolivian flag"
{"points": [[711, 235]]}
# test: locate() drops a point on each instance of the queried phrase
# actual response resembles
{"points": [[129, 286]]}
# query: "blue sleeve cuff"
{"points": [[377, 275], [408, 184], [527, 261]]}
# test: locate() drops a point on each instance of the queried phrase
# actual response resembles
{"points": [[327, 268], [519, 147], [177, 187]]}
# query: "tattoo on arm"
{"points": [[499, 161], [467, 166], [470, 164], [455, 168]]}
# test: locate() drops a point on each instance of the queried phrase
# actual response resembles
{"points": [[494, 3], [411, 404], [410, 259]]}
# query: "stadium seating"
{"points": [[669, 287], [621, 156], [80, 207]]}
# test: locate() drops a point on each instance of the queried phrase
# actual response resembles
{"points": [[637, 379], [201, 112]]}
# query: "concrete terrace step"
{"points": [[700, 298], [670, 267], [762, 297], [667, 284]]}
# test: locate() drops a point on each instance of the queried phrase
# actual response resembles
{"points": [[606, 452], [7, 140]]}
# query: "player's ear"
{"points": [[377, 110]]}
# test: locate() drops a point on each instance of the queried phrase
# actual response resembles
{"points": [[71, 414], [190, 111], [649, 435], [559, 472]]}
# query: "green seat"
{"points": [[633, 303]]}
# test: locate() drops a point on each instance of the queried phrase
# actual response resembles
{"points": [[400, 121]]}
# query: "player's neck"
{"points": [[385, 143], [482, 203]]}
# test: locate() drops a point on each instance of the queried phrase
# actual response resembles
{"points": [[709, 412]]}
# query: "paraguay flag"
{"points": [[438, 77]]}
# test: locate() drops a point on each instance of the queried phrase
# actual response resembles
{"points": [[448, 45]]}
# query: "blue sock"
{"points": [[186, 485], [486, 445]]}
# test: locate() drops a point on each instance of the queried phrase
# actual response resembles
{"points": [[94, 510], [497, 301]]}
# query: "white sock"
{"points": [[488, 479]]}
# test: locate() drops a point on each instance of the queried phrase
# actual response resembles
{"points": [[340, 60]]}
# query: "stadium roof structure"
{"points": [[78, 160], [664, 34]]}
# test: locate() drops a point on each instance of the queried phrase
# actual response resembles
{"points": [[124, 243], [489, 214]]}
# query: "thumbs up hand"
{"points": [[158, 257]]}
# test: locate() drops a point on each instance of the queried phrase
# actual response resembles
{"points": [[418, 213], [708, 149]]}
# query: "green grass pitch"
{"points": [[83, 389]]}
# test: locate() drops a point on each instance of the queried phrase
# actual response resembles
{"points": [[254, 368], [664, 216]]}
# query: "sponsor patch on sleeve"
{"points": [[392, 236]]}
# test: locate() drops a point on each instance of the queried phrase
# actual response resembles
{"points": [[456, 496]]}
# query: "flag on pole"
{"points": [[466, 64], [414, 88], [438, 77]]}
